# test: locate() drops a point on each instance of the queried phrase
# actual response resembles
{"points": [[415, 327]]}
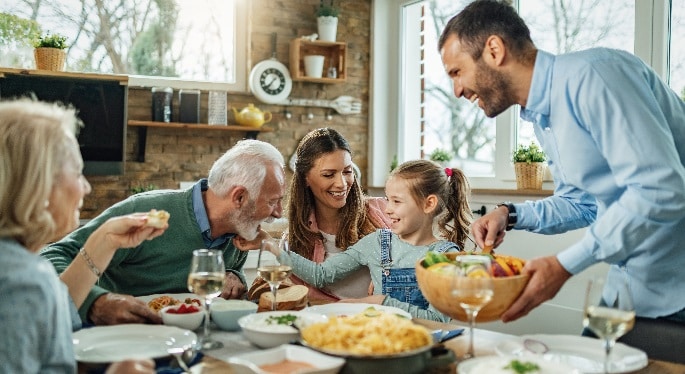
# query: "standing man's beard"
{"points": [[493, 89]]}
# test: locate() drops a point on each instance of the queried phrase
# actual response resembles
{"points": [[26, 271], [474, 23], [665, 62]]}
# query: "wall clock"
{"points": [[270, 80]]}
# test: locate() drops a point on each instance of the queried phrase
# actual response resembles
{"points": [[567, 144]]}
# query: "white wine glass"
{"points": [[207, 279], [273, 272], [472, 288], [607, 319]]}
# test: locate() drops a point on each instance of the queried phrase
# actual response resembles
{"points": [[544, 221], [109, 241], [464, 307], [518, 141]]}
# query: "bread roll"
{"points": [[289, 298], [157, 218], [260, 286]]}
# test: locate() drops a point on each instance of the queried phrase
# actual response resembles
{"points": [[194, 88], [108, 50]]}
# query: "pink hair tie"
{"points": [[448, 171]]}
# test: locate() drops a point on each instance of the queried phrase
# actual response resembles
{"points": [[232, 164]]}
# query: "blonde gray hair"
{"points": [[36, 139]]}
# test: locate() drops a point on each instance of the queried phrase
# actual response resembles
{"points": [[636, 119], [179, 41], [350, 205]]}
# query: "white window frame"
{"points": [[391, 76], [242, 30]]}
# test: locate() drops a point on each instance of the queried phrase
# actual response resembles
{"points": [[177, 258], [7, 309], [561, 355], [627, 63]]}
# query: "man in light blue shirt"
{"points": [[614, 134]]}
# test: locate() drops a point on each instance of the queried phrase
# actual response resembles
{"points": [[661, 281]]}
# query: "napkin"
{"points": [[171, 367]]}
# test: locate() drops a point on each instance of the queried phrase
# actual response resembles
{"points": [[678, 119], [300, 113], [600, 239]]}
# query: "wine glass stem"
{"points": [[274, 291], [472, 324], [608, 344], [205, 335]]}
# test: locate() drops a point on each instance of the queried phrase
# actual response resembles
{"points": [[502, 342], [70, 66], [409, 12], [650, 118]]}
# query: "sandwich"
{"points": [[157, 218]]}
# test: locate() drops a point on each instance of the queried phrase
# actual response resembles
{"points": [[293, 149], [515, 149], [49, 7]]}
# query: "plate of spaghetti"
{"points": [[158, 301]]}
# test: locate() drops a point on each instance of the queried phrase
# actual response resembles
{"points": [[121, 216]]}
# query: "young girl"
{"points": [[418, 192]]}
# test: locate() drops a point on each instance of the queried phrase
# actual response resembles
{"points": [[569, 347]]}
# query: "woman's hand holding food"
{"points": [[126, 231]]}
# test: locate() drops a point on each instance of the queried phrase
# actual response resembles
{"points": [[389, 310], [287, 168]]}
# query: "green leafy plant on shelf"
{"points": [[327, 9], [141, 188], [529, 154], [51, 41], [441, 155]]}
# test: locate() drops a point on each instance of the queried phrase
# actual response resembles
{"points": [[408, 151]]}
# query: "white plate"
{"points": [[177, 296], [103, 344], [496, 364], [250, 362], [583, 353], [347, 309]]}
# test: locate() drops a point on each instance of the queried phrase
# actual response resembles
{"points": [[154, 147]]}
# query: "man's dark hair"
{"points": [[484, 18]]}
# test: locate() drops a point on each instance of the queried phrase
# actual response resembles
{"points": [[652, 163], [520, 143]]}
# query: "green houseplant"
{"points": [[440, 155], [529, 166], [50, 51], [529, 153], [327, 9], [327, 20]]}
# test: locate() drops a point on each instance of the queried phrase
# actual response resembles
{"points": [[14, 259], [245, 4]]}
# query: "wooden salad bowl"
{"points": [[436, 288]]}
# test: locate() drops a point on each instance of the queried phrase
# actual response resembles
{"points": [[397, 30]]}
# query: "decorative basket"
{"points": [[529, 176], [50, 58]]}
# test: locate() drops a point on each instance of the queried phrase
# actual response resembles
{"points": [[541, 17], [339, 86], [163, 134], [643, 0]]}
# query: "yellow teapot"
{"points": [[251, 116]]}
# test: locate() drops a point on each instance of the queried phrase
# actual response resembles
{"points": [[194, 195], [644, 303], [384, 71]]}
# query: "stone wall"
{"points": [[177, 155]]}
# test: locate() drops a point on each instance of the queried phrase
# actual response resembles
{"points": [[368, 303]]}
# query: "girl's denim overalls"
{"points": [[400, 283]]}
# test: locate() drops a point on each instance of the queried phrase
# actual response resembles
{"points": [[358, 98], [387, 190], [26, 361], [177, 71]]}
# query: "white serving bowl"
{"points": [[188, 321], [225, 313], [249, 363], [261, 329]]}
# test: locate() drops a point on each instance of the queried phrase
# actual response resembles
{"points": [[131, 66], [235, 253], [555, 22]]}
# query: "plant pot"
{"points": [[50, 58], [529, 176], [327, 27]]}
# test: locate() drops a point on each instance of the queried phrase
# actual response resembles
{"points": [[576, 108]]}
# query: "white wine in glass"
{"points": [[608, 322], [473, 288], [274, 273], [207, 278]]}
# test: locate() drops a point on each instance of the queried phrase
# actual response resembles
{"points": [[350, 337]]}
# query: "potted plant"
{"points": [[441, 156], [50, 52], [529, 166], [327, 20]]}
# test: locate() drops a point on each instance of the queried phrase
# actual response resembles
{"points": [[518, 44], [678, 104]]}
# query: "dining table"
{"points": [[234, 344], [485, 341]]}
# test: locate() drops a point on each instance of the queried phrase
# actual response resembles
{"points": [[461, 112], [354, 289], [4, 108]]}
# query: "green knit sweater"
{"points": [[160, 265]]}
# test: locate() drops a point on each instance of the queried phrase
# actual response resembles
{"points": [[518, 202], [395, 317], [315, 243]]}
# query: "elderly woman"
{"points": [[41, 192], [327, 210]]}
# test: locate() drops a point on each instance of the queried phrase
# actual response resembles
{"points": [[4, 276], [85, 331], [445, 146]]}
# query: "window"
{"points": [[163, 42], [484, 146], [676, 51]]}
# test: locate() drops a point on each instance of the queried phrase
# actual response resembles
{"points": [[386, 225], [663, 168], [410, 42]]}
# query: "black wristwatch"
{"points": [[512, 218]]}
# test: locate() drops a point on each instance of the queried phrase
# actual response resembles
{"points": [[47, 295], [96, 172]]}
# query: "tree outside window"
{"points": [[186, 39]]}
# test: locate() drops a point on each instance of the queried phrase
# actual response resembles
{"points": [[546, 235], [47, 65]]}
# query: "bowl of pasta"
{"points": [[434, 276], [376, 340], [271, 329]]}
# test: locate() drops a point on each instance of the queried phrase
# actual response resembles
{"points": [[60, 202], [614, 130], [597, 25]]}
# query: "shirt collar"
{"points": [[201, 215], [537, 107]]}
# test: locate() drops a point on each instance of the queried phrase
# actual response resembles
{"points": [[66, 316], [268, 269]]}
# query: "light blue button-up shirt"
{"points": [[614, 135]]}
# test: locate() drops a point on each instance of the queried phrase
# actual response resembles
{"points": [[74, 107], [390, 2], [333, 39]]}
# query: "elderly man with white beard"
{"points": [[245, 187]]}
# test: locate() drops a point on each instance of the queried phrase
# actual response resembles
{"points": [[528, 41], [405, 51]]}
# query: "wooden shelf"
{"points": [[335, 55], [251, 132], [198, 126]]}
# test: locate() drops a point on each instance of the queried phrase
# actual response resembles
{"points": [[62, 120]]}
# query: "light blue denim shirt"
{"points": [[614, 135]]}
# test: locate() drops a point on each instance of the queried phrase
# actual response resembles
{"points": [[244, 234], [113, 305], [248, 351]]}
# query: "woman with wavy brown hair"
{"points": [[328, 211]]}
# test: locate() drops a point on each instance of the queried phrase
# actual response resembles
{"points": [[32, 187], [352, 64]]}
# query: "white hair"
{"points": [[245, 164]]}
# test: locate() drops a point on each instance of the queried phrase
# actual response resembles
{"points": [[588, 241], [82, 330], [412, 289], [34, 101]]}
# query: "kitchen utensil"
{"points": [[343, 104]]}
